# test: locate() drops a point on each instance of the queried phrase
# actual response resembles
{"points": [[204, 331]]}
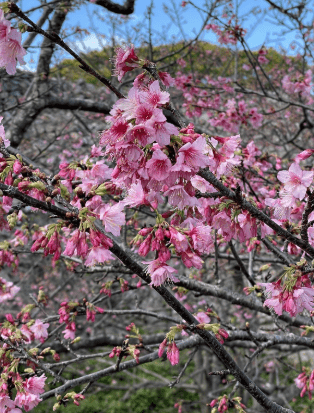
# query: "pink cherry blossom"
{"points": [[35, 385], [159, 165], [135, 196], [125, 61], [97, 255], [166, 79], [154, 96], [202, 317], [27, 400], [144, 112], [7, 290], [77, 244], [162, 347], [173, 353], [295, 180], [5, 401], [162, 129], [128, 106], [142, 134], [179, 198], [116, 132], [274, 294], [112, 217], [303, 297], [11, 50], [179, 240], [40, 330], [303, 155], [192, 155], [305, 381], [163, 273], [5, 27], [69, 334], [28, 335], [202, 238]]}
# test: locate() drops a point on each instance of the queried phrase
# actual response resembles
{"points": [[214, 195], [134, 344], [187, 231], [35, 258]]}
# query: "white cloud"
{"points": [[88, 44]]}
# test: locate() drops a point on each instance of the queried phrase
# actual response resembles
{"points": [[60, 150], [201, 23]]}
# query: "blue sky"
{"points": [[260, 29]]}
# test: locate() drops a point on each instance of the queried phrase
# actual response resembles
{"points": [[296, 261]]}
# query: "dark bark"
{"points": [[125, 9]]}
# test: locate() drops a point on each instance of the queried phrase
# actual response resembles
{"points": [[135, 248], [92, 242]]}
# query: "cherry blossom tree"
{"points": [[193, 182]]}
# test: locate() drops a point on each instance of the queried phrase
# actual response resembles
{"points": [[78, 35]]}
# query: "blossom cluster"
{"points": [[28, 391], [223, 404], [305, 381], [298, 83], [7, 290], [293, 294]]}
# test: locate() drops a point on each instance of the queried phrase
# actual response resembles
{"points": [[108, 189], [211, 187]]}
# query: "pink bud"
{"points": [[145, 246], [9, 318], [223, 333], [145, 231], [17, 166], [162, 347], [213, 402], [159, 234]]}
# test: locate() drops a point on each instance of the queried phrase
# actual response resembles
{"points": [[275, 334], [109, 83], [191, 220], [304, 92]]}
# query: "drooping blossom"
{"points": [[166, 79], [125, 60], [179, 197], [274, 294], [11, 51], [98, 255], [5, 27], [173, 353], [69, 332], [77, 244], [163, 273], [305, 381], [294, 300], [162, 347]]}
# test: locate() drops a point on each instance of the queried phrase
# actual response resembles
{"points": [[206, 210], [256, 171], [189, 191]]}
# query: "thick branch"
{"points": [[48, 46], [125, 9], [80, 104]]}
